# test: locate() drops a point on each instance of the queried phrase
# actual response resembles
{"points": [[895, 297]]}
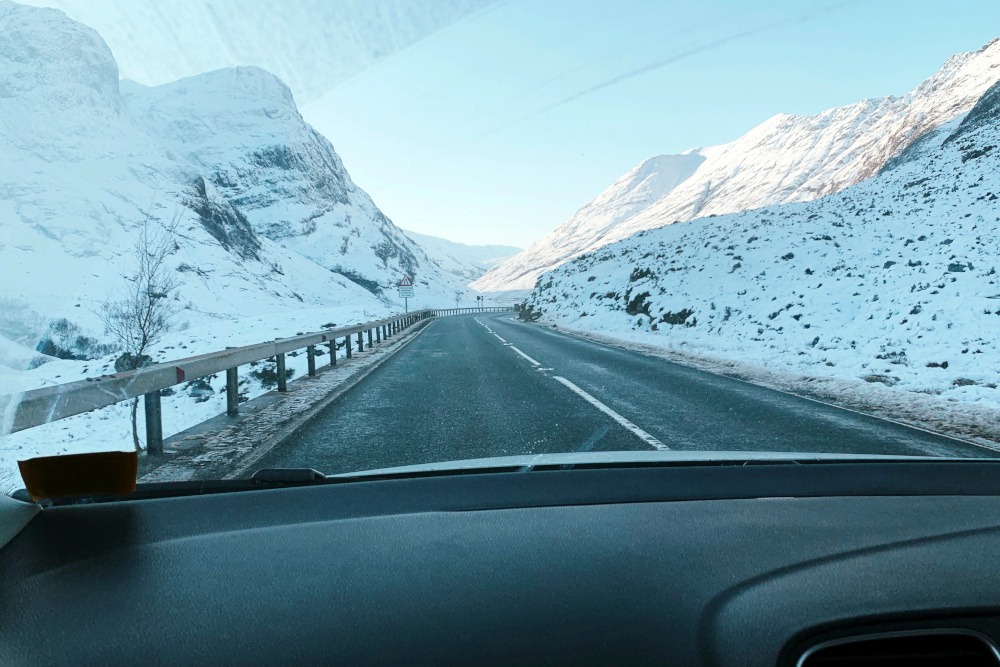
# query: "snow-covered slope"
{"points": [[785, 159], [268, 220], [312, 45], [466, 262], [270, 235], [893, 280]]}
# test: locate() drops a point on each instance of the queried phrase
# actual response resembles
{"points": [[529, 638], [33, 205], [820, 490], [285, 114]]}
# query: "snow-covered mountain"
{"points": [[466, 262], [785, 159], [267, 218], [893, 280], [312, 45]]}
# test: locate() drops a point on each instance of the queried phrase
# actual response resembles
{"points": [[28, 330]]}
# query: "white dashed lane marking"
{"points": [[635, 430], [525, 356]]}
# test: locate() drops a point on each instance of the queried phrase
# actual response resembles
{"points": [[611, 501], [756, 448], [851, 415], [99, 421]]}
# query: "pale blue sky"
{"points": [[469, 135]]}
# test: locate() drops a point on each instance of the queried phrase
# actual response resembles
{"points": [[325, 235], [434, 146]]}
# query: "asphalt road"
{"points": [[488, 385]]}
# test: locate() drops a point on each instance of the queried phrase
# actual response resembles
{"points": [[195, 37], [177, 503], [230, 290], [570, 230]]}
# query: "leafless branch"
{"points": [[141, 312]]}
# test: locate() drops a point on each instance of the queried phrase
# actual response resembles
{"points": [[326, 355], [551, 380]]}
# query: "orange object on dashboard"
{"points": [[80, 474]]}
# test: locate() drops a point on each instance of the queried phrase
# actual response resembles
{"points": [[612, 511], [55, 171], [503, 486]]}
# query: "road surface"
{"points": [[488, 385]]}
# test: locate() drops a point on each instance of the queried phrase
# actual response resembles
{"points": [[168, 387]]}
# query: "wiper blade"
{"points": [[287, 475]]}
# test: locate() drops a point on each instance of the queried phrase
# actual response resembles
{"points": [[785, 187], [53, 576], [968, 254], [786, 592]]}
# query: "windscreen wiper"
{"points": [[287, 475]]}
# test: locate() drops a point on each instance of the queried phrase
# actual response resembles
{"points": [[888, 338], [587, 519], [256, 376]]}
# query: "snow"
{"points": [[466, 262], [272, 237], [268, 219], [312, 45], [785, 159], [188, 404], [891, 282]]}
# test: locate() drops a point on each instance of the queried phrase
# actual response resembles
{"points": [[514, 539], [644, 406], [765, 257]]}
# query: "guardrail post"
{"points": [[282, 382], [361, 343], [333, 352], [369, 339], [311, 359], [378, 334], [347, 345], [232, 392], [154, 424]]}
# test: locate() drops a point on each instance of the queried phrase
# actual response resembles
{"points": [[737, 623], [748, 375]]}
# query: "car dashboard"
{"points": [[777, 564]]}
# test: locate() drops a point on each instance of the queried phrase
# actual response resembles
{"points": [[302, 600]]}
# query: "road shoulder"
{"points": [[228, 447], [971, 423]]}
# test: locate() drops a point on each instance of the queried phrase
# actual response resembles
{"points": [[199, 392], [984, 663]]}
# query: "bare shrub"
{"points": [[140, 312]]}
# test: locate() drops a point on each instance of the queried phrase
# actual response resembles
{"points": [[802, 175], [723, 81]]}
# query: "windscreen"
{"points": [[354, 236]]}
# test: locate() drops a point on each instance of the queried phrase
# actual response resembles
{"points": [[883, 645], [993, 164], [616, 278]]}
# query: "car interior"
{"points": [[726, 563]]}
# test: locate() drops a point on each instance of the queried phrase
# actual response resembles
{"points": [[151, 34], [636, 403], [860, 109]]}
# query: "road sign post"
{"points": [[405, 288]]}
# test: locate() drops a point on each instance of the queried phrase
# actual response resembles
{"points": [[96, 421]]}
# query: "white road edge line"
{"points": [[525, 356], [501, 339], [645, 437]]}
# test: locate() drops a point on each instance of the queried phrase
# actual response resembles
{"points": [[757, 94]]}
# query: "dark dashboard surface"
{"points": [[721, 565]]}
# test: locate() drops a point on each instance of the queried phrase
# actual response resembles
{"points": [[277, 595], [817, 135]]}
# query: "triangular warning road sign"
{"points": [[406, 282]]}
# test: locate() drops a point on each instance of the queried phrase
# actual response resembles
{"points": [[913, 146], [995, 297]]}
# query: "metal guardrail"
{"points": [[469, 311], [47, 404]]}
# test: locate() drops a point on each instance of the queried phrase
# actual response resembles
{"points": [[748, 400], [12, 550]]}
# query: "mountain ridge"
{"points": [[263, 215], [312, 45], [891, 281], [464, 261], [785, 158]]}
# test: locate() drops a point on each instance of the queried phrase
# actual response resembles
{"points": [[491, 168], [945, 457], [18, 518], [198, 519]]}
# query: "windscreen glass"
{"points": [[350, 236]]}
